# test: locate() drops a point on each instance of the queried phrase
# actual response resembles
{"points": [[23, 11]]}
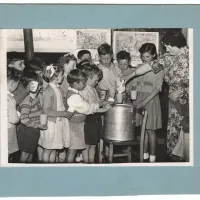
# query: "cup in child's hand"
{"points": [[102, 94], [119, 97], [43, 119], [33, 86], [133, 94]]}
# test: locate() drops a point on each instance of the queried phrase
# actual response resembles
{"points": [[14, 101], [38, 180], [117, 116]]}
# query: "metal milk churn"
{"points": [[119, 123]]}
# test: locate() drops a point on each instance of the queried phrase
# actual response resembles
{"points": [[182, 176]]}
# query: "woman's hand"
{"points": [[42, 126], [142, 104], [174, 95]]}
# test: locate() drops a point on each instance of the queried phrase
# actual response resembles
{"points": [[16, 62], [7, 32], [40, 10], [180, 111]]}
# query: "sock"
{"points": [[146, 156], [152, 158]]}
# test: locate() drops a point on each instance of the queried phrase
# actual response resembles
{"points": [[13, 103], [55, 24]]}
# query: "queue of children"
{"points": [[68, 93]]}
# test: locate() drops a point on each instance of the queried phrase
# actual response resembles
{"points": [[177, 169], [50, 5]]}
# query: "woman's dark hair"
{"points": [[148, 47], [123, 55], [176, 39], [29, 76], [47, 73], [36, 64], [76, 76], [104, 49], [90, 69], [81, 53], [65, 59], [13, 74]]}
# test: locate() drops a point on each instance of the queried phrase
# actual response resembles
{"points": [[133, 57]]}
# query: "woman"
{"points": [[175, 64]]}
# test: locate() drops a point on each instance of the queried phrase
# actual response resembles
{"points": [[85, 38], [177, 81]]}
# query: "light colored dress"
{"points": [[57, 135], [12, 120], [146, 84]]}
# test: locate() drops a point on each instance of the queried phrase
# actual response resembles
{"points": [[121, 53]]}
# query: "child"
{"points": [[84, 55], [20, 93], [110, 72], [148, 87], [77, 81], [68, 62], [28, 132], [57, 134], [124, 59], [93, 121], [13, 80]]}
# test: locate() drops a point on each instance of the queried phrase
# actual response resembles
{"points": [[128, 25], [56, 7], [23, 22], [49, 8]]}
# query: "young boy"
{"points": [[13, 79], [110, 72], [84, 55]]}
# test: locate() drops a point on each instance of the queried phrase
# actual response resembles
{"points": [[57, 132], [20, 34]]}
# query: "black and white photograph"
{"points": [[98, 96]]}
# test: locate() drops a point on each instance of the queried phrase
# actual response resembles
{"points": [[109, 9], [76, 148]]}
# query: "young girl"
{"points": [[148, 87], [68, 63], [57, 135], [28, 132], [77, 81], [13, 80], [93, 121]]}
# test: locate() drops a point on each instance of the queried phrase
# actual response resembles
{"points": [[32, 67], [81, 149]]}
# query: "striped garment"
{"points": [[31, 110]]}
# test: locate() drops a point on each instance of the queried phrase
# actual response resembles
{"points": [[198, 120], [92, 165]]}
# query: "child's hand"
{"points": [[31, 86], [107, 107], [103, 103], [42, 126], [142, 104]]}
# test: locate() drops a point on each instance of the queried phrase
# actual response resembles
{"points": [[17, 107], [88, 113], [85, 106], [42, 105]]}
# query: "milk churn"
{"points": [[119, 123]]}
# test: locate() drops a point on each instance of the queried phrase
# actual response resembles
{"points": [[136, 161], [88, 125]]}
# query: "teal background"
{"points": [[115, 181]]}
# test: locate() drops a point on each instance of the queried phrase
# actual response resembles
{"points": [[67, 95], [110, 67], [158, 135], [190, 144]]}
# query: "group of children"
{"points": [[68, 94]]}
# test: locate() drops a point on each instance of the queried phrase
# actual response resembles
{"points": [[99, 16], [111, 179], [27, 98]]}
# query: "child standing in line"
{"points": [[92, 129], [13, 80], [57, 134], [84, 55], [68, 63], [124, 59], [75, 102], [28, 132], [110, 72], [148, 87]]}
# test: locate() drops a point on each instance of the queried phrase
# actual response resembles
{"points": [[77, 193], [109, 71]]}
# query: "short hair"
{"points": [[76, 76], [148, 47], [13, 63], [35, 64], [47, 72], [65, 59], [104, 49], [90, 69], [29, 76], [176, 39], [13, 74], [81, 53], [123, 55]]}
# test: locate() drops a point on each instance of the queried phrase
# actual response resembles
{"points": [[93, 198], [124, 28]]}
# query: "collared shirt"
{"points": [[77, 103], [109, 80]]}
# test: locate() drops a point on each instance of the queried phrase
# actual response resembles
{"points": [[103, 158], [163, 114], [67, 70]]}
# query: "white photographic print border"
{"points": [[3, 137]]}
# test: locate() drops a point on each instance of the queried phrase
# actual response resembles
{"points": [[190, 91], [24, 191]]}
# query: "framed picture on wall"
{"points": [[132, 41]]}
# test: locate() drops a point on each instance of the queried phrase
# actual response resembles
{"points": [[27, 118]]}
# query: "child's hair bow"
{"points": [[51, 68]]}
